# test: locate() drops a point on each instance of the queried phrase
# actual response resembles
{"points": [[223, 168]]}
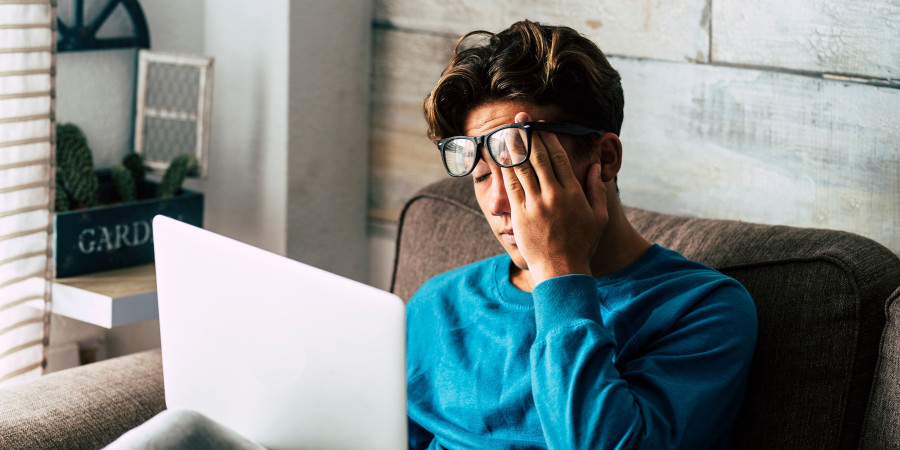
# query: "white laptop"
{"points": [[287, 355]]}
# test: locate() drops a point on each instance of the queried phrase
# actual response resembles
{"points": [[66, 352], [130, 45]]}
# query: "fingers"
{"points": [[548, 165], [515, 193], [534, 171], [548, 158], [551, 160], [521, 177], [595, 189]]}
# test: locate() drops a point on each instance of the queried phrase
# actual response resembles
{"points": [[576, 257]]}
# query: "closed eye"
{"points": [[481, 178]]}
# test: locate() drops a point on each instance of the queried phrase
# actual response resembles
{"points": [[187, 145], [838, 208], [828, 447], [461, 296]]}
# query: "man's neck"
{"points": [[620, 246]]}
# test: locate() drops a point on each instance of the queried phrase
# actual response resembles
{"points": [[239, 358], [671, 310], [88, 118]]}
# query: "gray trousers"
{"points": [[182, 429]]}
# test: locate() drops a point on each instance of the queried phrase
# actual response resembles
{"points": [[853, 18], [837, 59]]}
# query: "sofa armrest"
{"points": [[84, 407]]}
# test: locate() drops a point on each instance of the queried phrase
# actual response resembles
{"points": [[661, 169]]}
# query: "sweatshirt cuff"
{"points": [[565, 300]]}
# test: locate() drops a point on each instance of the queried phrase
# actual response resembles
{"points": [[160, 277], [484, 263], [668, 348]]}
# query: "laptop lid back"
{"points": [[285, 354]]}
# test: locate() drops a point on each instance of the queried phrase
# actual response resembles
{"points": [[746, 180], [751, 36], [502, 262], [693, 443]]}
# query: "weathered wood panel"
{"points": [[698, 140], [762, 147], [670, 30], [847, 37], [405, 68]]}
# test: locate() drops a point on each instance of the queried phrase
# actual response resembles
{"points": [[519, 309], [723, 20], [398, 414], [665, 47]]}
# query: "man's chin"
{"points": [[517, 260], [513, 251]]}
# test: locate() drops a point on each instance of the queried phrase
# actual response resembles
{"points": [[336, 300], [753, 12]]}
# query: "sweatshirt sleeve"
{"points": [[684, 378]]}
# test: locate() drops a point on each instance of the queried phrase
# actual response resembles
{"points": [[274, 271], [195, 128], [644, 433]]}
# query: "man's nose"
{"points": [[498, 201]]}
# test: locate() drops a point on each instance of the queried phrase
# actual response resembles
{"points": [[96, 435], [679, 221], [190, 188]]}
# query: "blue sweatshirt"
{"points": [[653, 356]]}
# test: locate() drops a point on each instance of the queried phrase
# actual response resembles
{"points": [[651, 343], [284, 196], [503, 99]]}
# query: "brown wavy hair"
{"points": [[531, 62]]}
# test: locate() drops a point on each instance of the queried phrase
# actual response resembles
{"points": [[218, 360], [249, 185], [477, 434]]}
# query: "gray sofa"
{"points": [[826, 374]]}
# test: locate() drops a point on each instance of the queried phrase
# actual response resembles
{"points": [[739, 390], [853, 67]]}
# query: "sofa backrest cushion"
{"points": [[820, 297], [882, 425], [441, 228]]}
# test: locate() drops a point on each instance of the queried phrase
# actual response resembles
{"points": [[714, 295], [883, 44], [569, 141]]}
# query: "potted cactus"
{"points": [[103, 217]]}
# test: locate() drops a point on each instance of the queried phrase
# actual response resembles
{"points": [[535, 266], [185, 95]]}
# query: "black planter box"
{"points": [[117, 235]]}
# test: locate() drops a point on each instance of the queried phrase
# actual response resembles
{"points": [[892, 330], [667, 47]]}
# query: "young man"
{"points": [[583, 335]]}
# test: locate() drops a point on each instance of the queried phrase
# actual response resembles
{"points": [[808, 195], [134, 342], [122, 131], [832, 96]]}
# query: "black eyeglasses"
{"points": [[509, 145]]}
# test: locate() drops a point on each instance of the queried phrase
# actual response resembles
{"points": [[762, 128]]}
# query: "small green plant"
{"points": [[77, 185], [62, 199], [124, 183], [76, 180], [128, 177], [135, 164], [178, 169]]}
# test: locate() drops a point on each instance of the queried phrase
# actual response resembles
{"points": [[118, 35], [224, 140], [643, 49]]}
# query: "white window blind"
{"points": [[27, 146]]}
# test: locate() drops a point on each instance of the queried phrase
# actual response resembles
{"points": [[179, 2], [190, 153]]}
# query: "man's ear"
{"points": [[609, 150]]}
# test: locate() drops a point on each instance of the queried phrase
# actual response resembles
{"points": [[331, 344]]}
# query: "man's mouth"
{"points": [[508, 237]]}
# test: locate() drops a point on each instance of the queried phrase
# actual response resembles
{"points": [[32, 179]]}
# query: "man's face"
{"points": [[490, 189]]}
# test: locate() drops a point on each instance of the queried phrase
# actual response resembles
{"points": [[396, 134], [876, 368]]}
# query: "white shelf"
{"points": [[108, 299]]}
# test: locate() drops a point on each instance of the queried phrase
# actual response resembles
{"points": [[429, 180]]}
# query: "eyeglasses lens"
{"points": [[459, 156], [509, 147]]}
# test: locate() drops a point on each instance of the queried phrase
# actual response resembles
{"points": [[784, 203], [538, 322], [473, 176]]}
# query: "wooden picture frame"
{"points": [[149, 111]]}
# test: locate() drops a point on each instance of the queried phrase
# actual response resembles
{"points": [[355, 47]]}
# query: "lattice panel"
{"points": [[174, 99]]}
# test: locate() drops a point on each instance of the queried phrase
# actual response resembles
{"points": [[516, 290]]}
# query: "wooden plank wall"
{"points": [[776, 112]]}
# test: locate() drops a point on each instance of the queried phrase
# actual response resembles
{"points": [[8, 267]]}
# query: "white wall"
{"points": [[328, 159], [288, 160], [95, 89], [99, 101], [246, 191], [277, 61], [246, 188], [286, 172]]}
